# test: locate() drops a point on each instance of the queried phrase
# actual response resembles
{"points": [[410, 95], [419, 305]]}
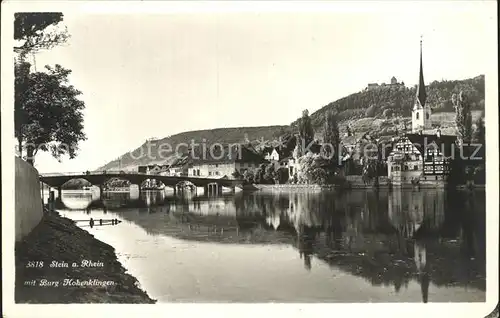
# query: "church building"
{"points": [[421, 112], [421, 157]]}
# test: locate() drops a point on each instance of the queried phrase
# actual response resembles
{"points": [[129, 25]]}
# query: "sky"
{"points": [[149, 75]]}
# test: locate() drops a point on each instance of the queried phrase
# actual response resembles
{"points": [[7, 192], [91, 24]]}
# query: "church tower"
{"points": [[421, 112]]}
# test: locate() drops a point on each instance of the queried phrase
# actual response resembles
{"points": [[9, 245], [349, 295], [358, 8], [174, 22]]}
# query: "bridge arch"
{"points": [[152, 181], [116, 182], [185, 184], [63, 183], [76, 183], [68, 183]]}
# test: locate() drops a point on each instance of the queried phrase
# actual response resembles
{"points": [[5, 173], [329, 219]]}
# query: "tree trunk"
{"points": [[30, 156], [20, 146]]}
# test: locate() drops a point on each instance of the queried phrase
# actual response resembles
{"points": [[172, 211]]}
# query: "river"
{"points": [[298, 246]]}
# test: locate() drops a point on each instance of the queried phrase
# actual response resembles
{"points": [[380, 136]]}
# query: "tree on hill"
{"points": [[463, 116], [480, 132], [306, 132], [331, 136]]}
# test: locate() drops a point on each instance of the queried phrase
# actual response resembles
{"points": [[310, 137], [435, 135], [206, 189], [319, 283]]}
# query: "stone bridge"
{"points": [[99, 178]]}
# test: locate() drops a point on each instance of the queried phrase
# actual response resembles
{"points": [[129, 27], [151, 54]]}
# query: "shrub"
{"points": [[248, 176], [236, 174], [282, 175], [370, 112], [387, 113]]}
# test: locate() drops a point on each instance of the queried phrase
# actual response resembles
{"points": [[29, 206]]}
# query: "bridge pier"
{"points": [[51, 201], [213, 188], [210, 186], [199, 190], [41, 192], [59, 192]]}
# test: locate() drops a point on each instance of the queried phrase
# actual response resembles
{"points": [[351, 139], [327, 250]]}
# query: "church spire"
{"points": [[421, 94]]}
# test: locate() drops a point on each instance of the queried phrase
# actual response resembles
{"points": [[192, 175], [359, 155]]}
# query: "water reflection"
{"points": [[433, 238]]}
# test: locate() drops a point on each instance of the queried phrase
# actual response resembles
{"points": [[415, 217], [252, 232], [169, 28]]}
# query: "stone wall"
{"points": [[287, 187], [405, 177], [28, 199], [357, 181]]}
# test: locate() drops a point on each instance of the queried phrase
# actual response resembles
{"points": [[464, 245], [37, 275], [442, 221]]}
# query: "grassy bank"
{"points": [[353, 185], [58, 239]]}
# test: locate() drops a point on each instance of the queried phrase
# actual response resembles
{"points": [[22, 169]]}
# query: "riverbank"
{"points": [[310, 187], [98, 278], [354, 186]]}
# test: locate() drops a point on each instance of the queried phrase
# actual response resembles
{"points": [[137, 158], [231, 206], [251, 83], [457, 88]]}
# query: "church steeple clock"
{"points": [[421, 112]]}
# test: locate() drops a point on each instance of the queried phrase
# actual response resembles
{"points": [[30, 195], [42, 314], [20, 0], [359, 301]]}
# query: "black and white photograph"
{"points": [[254, 153]]}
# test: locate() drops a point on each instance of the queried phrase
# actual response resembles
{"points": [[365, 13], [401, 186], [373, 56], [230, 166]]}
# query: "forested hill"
{"points": [[224, 136], [400, 99], [377, 104]]}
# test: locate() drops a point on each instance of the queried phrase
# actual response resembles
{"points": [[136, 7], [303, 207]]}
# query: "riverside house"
{"points": [[178, 168], [223, 164], [282, 158], [421, 157], [272, 154], [151, 169]]}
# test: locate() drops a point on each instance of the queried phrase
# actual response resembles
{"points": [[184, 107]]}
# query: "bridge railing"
{"points": [[89, 173], [117, 173]]}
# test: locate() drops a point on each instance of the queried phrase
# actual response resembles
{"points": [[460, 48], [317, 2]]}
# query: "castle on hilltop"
{"points": [[394, 83]]}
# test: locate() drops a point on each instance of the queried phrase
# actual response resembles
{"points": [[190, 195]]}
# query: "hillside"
{"points": [[368, 110], [220, 135], [400, 100]]}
